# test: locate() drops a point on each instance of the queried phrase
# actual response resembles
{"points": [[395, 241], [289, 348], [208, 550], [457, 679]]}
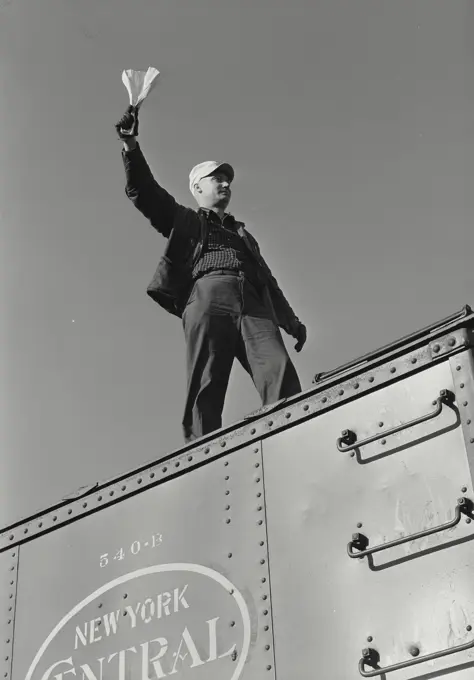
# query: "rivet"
{"points": [[370, 638], [84, 505], [266, 628], [458, 368], [253, 430], [257, 479], [125, 596], [468, 520], [359, 525], [413, 360], [229, 555], [227, 520], [452, 342], [383, 441], [232, 624], [26, 531], [306, 407], [352, 454], [227, 492], [11, 537], [414, 650], [265, 612], [40, 524], [100, 605], [207, 450], [262, 543], [262, 561], [264, 597], [468, 421], [270, 423], [226, 477], [177, 464], [256, 450], [111, 493], [380, 424], [464, 403], [190, 458], [366, 653], [436, 349], [263, 580], [267, 647], [341, 392], [259, 508], [257, 465], [393, 369], [124, 487], [287, 415], [99, 498], [223, 444], [461, 385], [469, 628], [152, 475], [260, 522], [464, 489], [226, 463], [371, 379], [231, 591], [227, 507], [324, 400], [269, 668], [472, 440], [259, 494], [165, 469], [356, 386]]}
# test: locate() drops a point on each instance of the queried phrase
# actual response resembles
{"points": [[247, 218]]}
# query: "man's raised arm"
{"points": [[154, 202]]}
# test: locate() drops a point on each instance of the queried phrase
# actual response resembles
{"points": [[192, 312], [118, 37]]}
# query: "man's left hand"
{"points": [[300, 334]]}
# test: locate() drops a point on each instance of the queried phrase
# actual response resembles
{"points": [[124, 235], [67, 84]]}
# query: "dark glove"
{"points": [[299, 332], [127, 126]]}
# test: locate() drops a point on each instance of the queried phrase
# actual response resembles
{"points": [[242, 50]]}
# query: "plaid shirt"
{"points": [[225, 249]]}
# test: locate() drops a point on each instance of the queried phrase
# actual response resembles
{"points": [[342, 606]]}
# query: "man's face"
{"points": [[214, 191]]}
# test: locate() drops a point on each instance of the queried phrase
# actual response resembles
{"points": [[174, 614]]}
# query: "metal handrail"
{"points": [[360, 542], [349, 437], [369, 654]]}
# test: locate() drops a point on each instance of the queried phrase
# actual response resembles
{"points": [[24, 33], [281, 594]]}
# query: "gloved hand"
{"points": [[298, 331], [127, 126]]}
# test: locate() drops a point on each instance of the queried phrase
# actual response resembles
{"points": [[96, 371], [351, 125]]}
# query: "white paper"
{"points": [[139, 84]]}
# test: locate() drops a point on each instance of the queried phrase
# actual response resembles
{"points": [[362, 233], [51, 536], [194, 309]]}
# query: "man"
{"points": [[213, 276]]}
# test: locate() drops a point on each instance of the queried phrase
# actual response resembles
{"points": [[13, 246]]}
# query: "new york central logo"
{"points": [[168, 620]]}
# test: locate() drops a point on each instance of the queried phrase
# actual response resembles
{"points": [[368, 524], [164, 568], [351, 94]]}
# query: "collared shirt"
{"points": [[225, 248]]}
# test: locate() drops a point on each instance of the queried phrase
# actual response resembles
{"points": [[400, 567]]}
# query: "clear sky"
{"points": [[350, 126]]}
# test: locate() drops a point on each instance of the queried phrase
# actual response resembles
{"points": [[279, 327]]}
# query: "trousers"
{"points": [[226, 318]]}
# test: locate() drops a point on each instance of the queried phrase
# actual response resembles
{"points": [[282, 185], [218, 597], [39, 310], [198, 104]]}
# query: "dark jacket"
{"points": [[186, 230]]}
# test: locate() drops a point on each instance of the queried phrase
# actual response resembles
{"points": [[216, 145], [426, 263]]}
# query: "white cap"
{"points": [[208, 168]]}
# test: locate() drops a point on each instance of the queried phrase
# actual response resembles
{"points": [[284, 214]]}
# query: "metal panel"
{"points": [[169, 583], [409, 601], [8, 586], [359, 379]]}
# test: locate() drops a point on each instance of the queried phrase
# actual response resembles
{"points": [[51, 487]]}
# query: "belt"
{"points": [[234, 272]]}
